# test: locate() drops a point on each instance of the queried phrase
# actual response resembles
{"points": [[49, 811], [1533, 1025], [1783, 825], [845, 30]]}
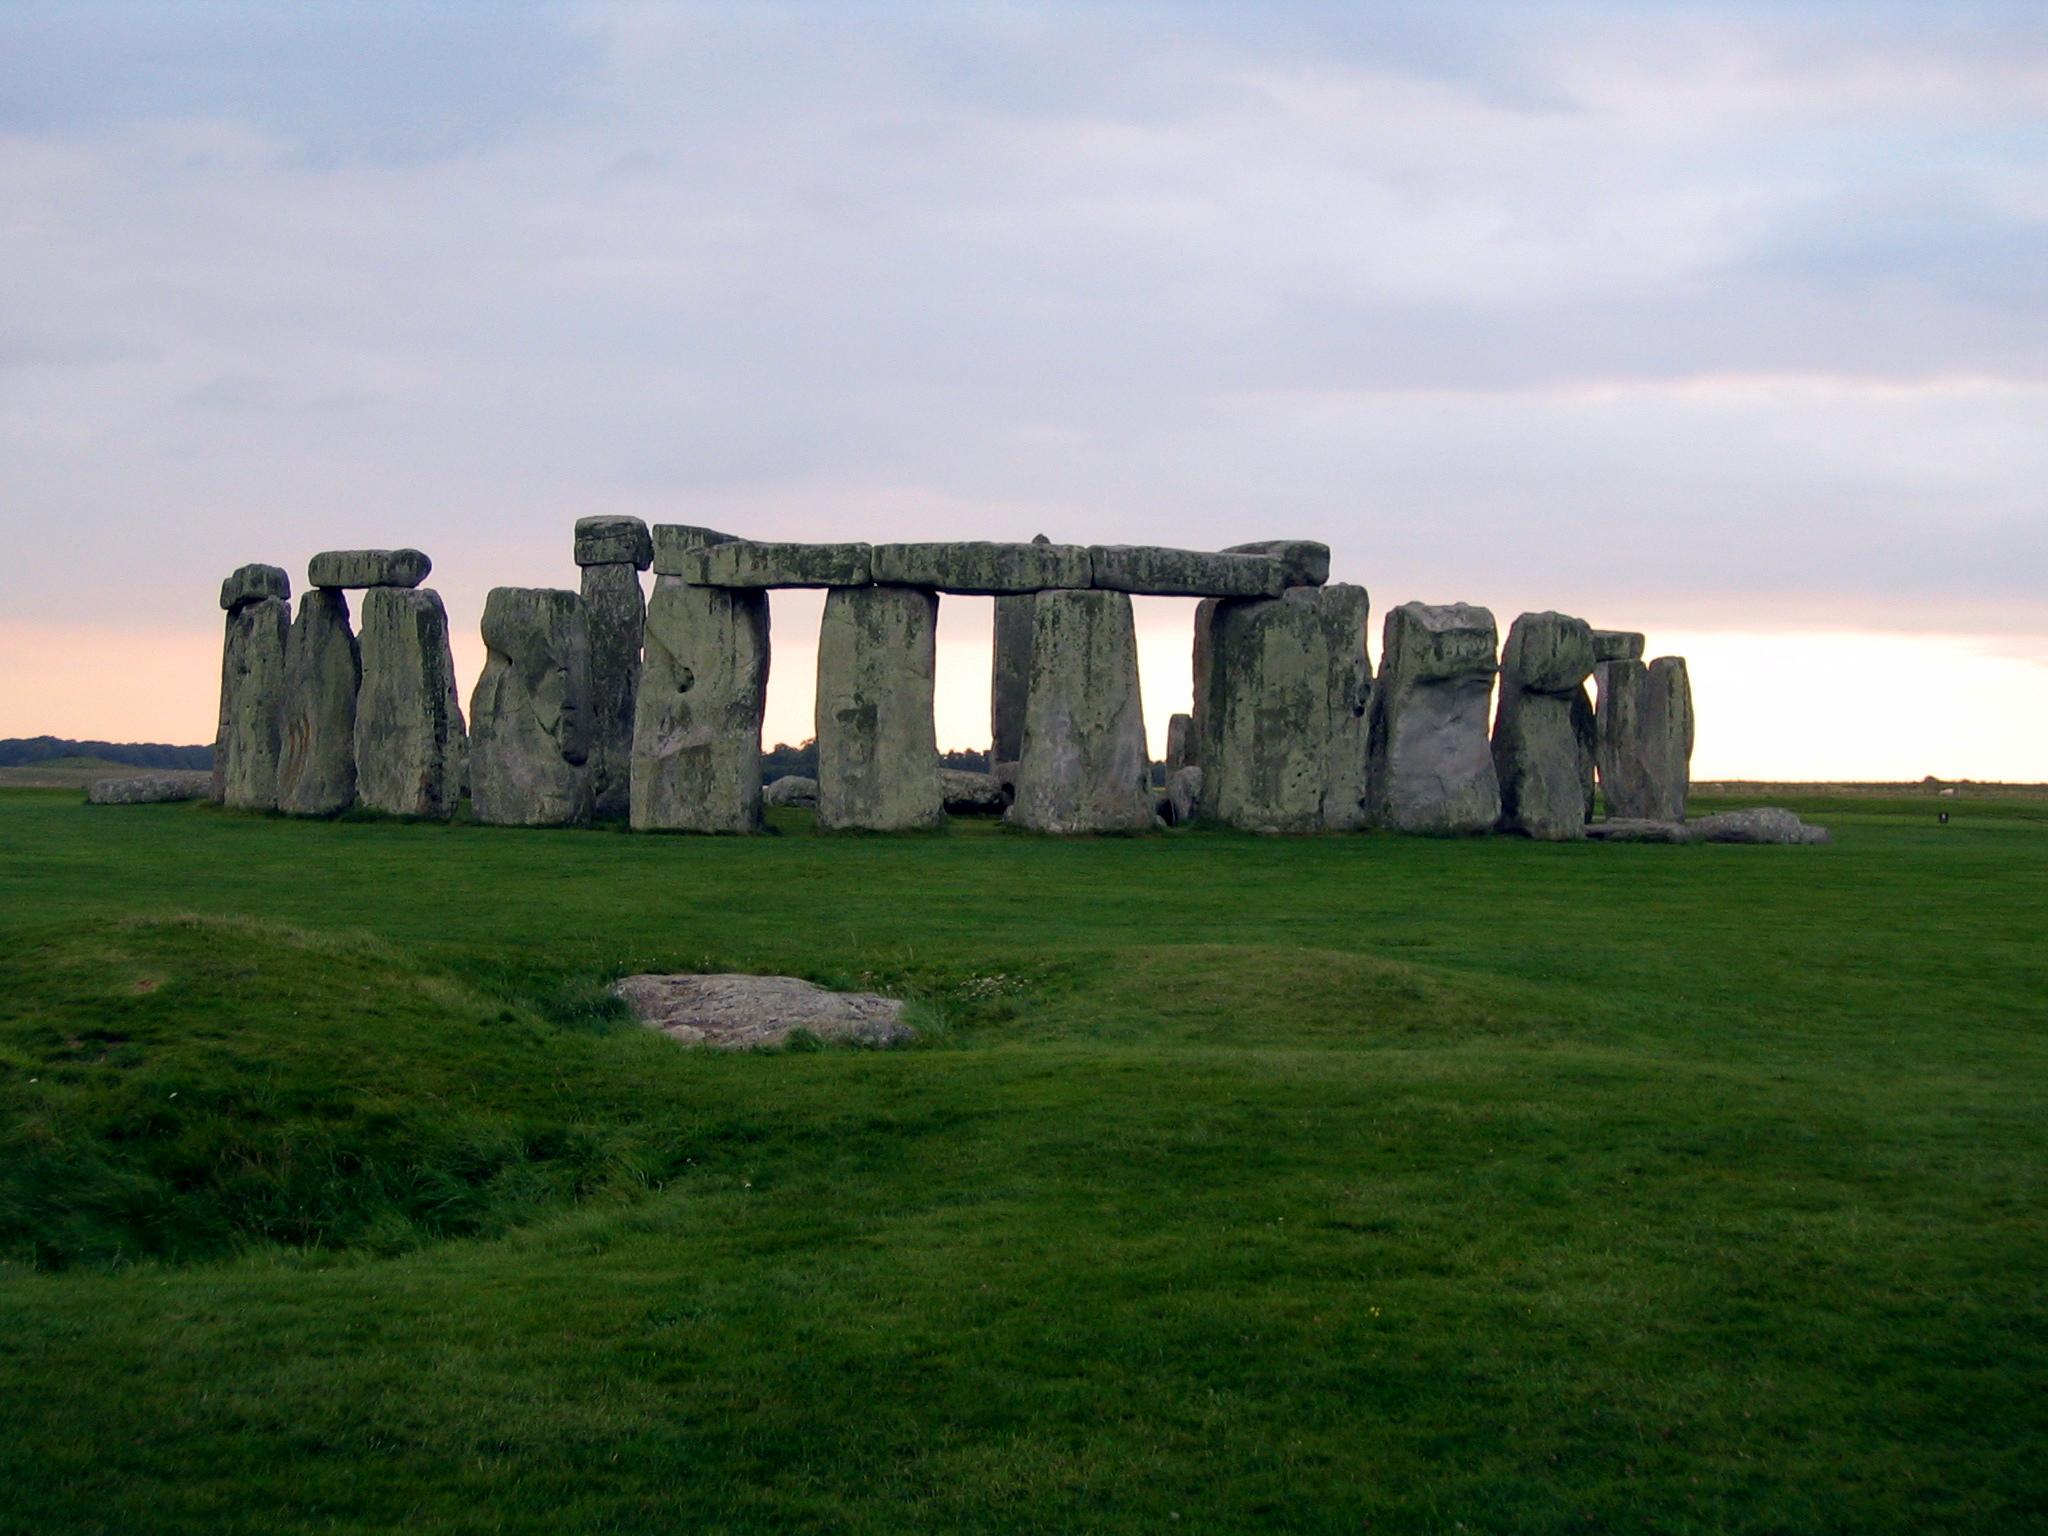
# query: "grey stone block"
{"points": [[697, 718], [673, 542], [1430, 752], [878, 759], [323, 669], [253, 583], [368, 568], [1303, 562], [1616, 645], [1010, 686], [614, 541], [749, 565], [615, 613], [411, 750], [1149, 570], [252, 703], [982, 569], [1536, 750], [530, 716], [1083, 767]]}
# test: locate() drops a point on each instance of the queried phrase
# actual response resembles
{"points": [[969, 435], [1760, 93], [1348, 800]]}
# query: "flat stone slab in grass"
{"points": [[1635, 829], [737, 1013], [1760, 824], [150, 788]]}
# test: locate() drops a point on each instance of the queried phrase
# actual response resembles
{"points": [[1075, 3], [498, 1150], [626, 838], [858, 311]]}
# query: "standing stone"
{"points": [[1585, 734], [1178, 729], [1010, 687], [323, 668], [1668, 737], [616, 616], [697, 717], [1083, 766], [409, 738], [1543, 669], [1430, 754], [878, 755], [252, 703], [529, 718], [1289, 686], [1202, 727]]}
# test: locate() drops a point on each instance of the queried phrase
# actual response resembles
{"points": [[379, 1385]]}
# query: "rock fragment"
{"points": [[737, 1013], [792, 789], [150, 788], [967, 793]]}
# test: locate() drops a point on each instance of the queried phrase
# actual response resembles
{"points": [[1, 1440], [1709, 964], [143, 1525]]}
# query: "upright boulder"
{"points": [[612, 552], [323, 669], [1179, 730], [697, 716], [410, 748], [530, 718], [1431, 759], [1543, 669], [1288, 684], [1010, 686], [1083, 766], [1643, 738], [878, 754], [252, 692]]}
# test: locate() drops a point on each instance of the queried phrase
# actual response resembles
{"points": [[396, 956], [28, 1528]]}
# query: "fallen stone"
{"points": [[1179, 728], [1159, 572], [410, 745], [253, 583], [1184, 795], [1010, 684], [1288, 686], [878, 757], [747, 564], [982, 569], [1636, 829], [615, 614], [323, 671], [1303, 562], [1430, 753], [1546, 660], [150, 788], [697, 717], [967, 793], [792, 790], [368, 568], [1616, 645], [614, 541], [252, 703], [529, 718], [1083, 766], [737, 1013], [673, 541], [1762, 824]]}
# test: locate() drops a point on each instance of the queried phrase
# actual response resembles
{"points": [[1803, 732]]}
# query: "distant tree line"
{"points": [[23, 751], [783, 760]]}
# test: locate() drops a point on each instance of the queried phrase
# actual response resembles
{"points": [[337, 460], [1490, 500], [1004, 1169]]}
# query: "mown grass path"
{"points": [[1308, 1184]]}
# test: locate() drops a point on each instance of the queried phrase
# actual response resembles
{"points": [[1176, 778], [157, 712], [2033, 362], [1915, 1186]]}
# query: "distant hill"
{"points": [[24, 751]]}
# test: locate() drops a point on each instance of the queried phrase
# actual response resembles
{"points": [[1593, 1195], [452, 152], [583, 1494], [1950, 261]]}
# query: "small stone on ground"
{"points": [[737, 1013]]}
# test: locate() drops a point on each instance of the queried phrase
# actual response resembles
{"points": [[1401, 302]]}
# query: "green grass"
{"points": [[1310, 1184]]}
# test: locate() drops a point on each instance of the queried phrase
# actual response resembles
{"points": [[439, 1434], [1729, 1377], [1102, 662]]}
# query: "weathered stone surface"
{"points": [[1616, 645], [1202, 730], [150, 788], [1584, 735], [1083, 766], [1289, 686], [697, 718], [1431, 757], [1643, 738], [1179, 729], [1303, 562], [748, 564], [1010, 686], [1184, 795], [982, 569], [971, 794], [1760, 824], [368, 568], [614, 541], [1535, 744], [792, 790], [674, 541], [253, 583], [410, 746], [252, 703], [323, 669], [1634, 829], [530, 718], [747, 1012], [1147, 569], [1668, 737], [878, 758], [616, 615]]}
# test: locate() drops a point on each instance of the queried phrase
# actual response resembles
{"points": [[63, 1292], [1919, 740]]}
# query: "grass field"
{"points": [[1334, 1184]]}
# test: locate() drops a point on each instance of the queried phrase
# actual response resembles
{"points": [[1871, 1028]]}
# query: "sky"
{"points": [[1724, 322]]}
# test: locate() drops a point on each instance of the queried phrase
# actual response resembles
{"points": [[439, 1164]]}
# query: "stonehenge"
{"points": [[1536, 747], [602, 702], [878, 759], [1430, 759], [530, 716]]}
